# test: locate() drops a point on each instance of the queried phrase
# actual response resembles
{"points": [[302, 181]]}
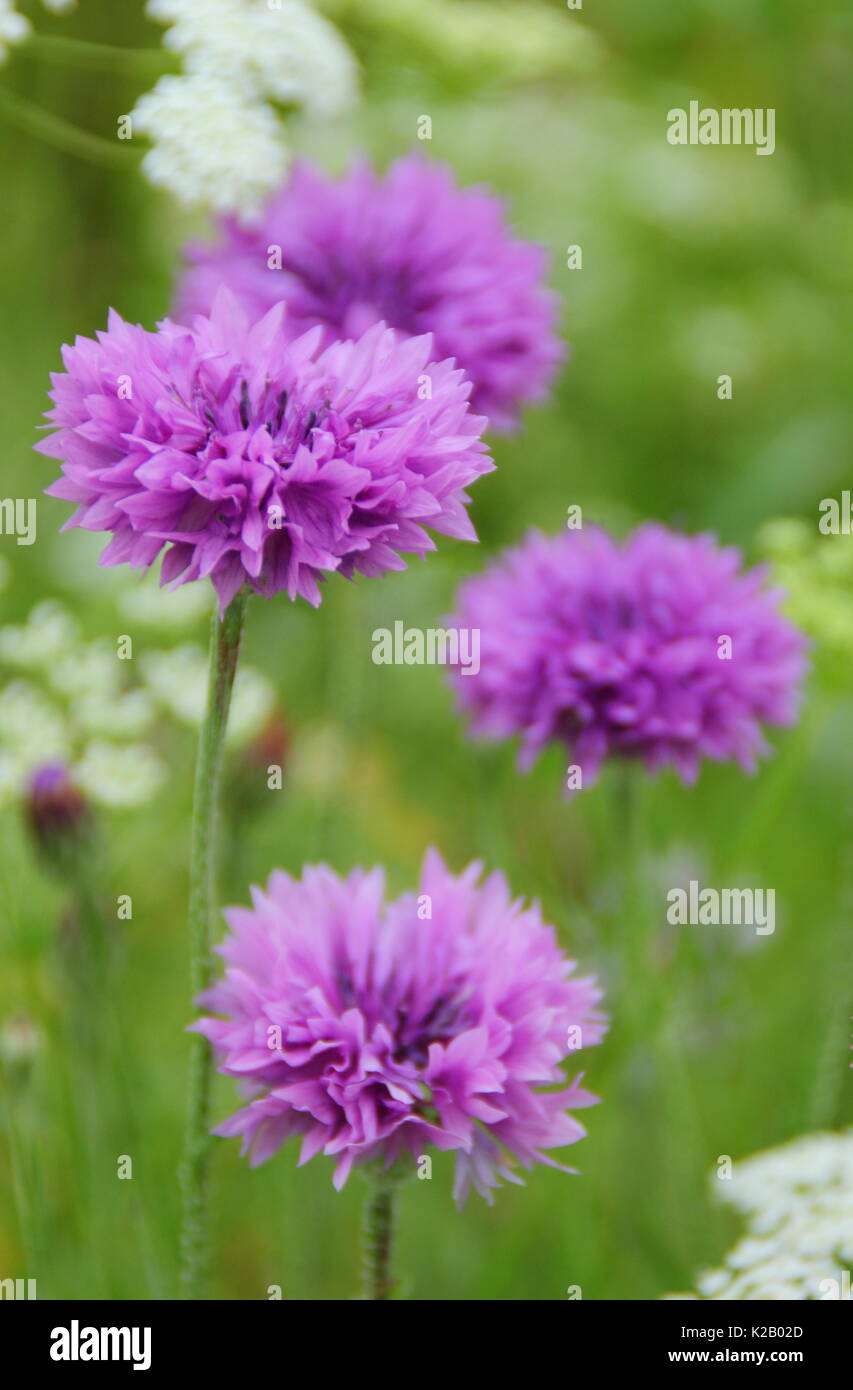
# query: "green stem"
{"points": [[831, 1068], [224, 653], [21, 1171], [652, 1006], [637, 915], [99, 57], [779, 780], [378, 1239], [56, 131]]}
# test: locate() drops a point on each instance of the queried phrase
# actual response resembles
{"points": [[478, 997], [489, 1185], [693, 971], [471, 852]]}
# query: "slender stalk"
{"points": [[378, 1239], [21, 1169], [99, 57], [55, 130], [635, 909], [831, 1067], [224, 652], [653, 1007]]}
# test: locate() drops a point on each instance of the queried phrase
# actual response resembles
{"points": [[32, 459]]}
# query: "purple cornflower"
{"points": [[57, 815], [374, 1029], [410, 249], [660, 649], [260, 461]]}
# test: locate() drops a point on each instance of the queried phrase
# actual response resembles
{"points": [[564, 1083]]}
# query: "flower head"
{"points": [[409, 249], [479, 43], [70, 703], [209, 144], [14, 27], [66, 703], [57, 814], [661, 649], [260, 462], [217, 139], [797, 1202], [178, 680], [284, 51], [375, 1028]]}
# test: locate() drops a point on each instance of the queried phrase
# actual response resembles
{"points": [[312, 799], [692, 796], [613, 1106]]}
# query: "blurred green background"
{"points": [[696, 262]]}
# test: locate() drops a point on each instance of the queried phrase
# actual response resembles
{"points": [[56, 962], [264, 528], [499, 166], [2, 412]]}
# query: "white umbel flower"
{"points": [[165, 610], [209, 144], [49, 635], [68, 700], [14, 28], [125, 715], [301, 60], [119, 775], [178, 680], [32, 728], [286, 52], [61, 696], [798, 1204], [217, 139]]}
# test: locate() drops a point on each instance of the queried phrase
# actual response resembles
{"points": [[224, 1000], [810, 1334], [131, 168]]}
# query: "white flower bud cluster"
{"points": [[178, 680], [15, 27], [67, 700], [798, 1204], [217, 139]]}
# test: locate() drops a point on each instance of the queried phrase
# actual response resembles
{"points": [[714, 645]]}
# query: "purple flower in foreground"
{"points": [[660, 649], [410, 249], [260, 461], [373, 1029]]}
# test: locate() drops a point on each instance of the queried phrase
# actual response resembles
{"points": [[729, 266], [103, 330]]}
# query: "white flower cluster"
{"points": [[178, 679], [73, 701], [217, 139], [148, 604], [15, 27], [69, 703], [483, 38], [798, 1204]]}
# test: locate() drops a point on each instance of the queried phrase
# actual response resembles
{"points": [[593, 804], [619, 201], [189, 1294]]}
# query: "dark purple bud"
{"points": [[57, 814]]}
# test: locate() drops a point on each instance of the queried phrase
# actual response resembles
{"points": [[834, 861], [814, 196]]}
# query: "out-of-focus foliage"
{"points": [[465, 45], [816, 572]]}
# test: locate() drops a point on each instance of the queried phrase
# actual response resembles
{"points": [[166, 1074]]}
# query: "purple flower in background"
{"points": [[660, 649], [410, 249], [259, 461], [373, 1028], [57, 815]]}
